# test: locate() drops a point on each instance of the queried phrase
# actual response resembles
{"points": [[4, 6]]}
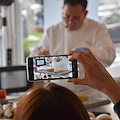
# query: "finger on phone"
{"points": [[76, 80], [89, 54], [80, 57], [73, 51]]}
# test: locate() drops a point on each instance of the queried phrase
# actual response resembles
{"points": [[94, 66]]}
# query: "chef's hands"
{"points": [[81, 49], [44, 52]]}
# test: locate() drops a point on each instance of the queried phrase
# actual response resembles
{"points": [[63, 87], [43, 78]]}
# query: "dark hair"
{"points": [[52, 102], [76, 2]]}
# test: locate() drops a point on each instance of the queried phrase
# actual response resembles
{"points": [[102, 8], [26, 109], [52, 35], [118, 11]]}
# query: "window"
{"points": [[32, 20], [109, 15]]}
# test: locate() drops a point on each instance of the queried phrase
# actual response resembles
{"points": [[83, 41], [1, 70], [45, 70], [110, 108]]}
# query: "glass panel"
{"points": [[109, 14], [13, 79], [32, 14]]}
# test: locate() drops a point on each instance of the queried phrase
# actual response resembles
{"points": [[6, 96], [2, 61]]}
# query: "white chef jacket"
{"points": [[92, 35]]}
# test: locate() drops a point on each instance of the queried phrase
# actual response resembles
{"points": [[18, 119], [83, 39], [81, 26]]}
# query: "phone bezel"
{"points": [[30, 74]]}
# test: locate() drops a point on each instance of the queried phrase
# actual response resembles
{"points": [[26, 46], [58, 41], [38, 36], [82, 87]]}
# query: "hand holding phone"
{"points": [[51, 67]]}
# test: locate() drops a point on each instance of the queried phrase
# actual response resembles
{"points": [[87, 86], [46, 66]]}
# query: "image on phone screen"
{"points": [[52, 67]]}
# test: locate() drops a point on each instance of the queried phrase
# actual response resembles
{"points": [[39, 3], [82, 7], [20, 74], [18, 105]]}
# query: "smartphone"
{"points": [[51, 68]]}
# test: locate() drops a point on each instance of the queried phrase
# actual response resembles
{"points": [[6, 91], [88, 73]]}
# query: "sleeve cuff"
{"points": [[117, 109]]}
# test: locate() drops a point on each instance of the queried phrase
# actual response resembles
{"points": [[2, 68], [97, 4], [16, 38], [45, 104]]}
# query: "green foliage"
{"points": [[36, 33], [26, 52], [28, 43]]}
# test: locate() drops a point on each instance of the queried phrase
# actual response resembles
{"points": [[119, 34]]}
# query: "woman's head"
{"points": [[51, 102]]}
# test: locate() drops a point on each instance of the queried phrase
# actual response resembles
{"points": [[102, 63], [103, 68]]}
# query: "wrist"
{"points": [[113, 92]]}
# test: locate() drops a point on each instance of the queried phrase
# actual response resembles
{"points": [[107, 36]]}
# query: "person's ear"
{"points": [[63, 12], [86, 12]]}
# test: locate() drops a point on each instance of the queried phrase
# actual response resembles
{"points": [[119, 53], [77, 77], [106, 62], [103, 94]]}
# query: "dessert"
{"points": [[1, 111], [83, 97], [103, 117], [8, 110]]}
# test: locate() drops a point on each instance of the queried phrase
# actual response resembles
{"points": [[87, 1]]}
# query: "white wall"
{"points": [[93, 9], [52, 11]]}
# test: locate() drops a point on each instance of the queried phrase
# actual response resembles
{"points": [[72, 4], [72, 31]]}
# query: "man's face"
{"points": [[73, 16]]}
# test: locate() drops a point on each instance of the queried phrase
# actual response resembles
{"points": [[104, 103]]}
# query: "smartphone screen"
{"points": [[51, 67]]}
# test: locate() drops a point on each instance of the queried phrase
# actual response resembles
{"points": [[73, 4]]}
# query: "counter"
{"points": [[105, 108]]}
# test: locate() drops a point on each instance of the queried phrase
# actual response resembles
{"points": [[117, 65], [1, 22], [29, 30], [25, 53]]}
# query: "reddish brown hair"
{"points": [[52, 102]]}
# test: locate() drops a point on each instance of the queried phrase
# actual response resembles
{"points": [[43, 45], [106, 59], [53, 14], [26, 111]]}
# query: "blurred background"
{"points": [[27, 20], [31, 18]]}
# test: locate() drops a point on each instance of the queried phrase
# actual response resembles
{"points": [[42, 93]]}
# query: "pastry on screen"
{"points": [[50, 69], [59, 70], [83, 97]]}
